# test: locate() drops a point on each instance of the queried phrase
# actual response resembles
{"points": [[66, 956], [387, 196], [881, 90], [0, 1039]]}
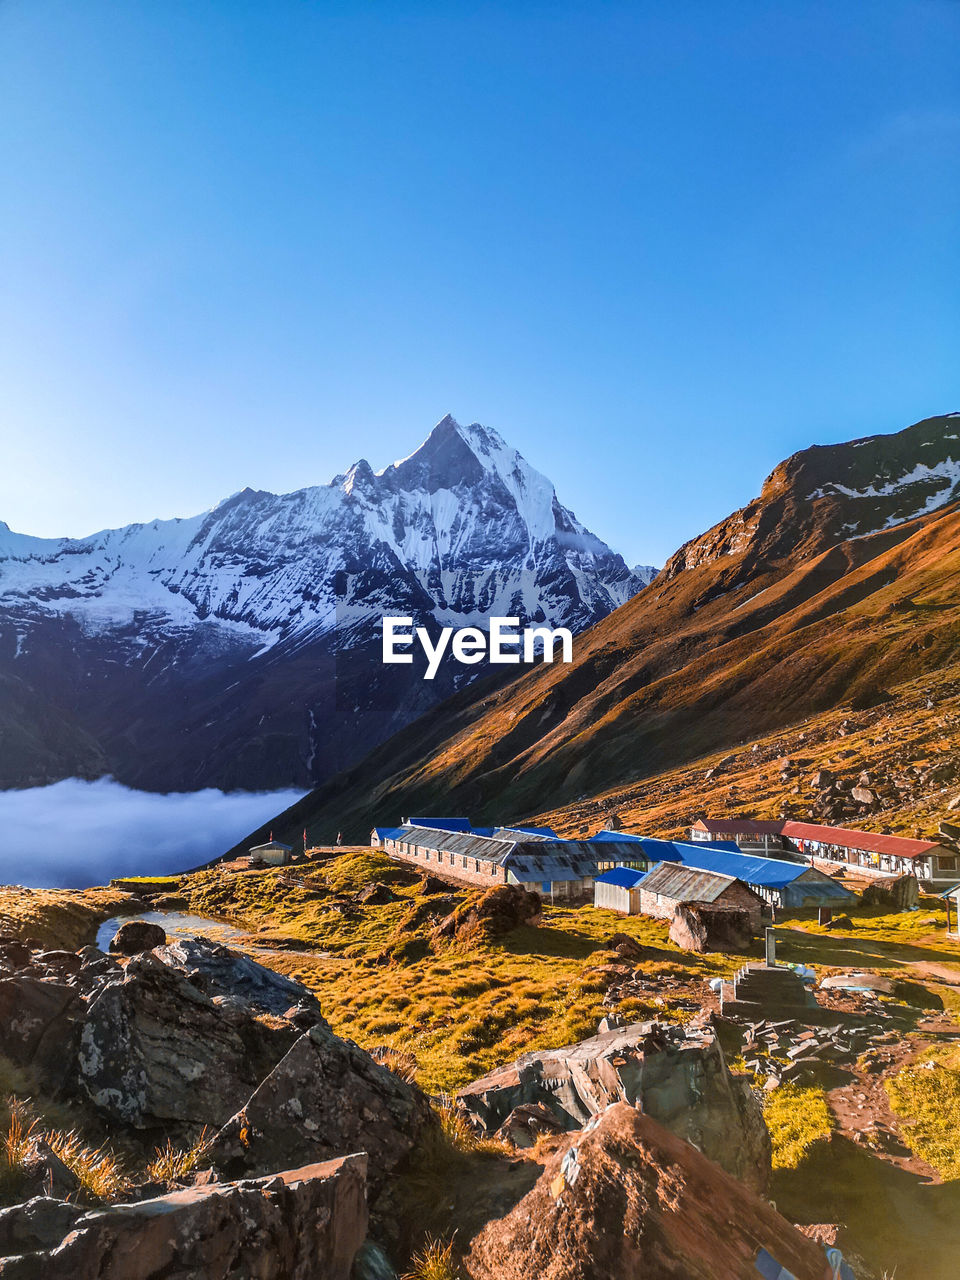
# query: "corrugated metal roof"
{"points": [[542, 858], [740, 826], [686, 884], [623, 877], [467, 843], [535, 833], [441, 824], [868, 841], [606, 834], [847, 837], [270, 844], [771, 873], [529, 865], [387, 833]]}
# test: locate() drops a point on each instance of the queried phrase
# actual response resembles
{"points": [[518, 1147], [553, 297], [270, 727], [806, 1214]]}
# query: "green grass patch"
{"points": [[927, 1101], [797, 1117]]}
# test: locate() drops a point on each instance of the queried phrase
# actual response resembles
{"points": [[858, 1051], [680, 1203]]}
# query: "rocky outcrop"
{"points": [[700, 927], [297, 1225], [220, 972], [40, 1022], [154, 1049], [495, 913], [326, 1096], [630, 1199], [679, 1078], [135, 936]]}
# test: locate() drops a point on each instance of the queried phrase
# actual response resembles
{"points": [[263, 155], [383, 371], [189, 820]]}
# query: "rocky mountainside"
{"points": [[841, 580], [828, 493], [241, 647]]}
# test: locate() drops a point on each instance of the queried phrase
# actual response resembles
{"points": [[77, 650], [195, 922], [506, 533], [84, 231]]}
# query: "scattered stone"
{"points": [[855, 980], [839, 922], [41, 1022], [376, 895], [154, 1049], [526, 1123], [431, 884]]}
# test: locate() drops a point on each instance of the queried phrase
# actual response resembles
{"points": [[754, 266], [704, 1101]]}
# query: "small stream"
{"points": [[176, 924]]}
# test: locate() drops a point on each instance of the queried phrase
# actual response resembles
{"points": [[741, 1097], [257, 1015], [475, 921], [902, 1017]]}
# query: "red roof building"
{"points": [[866, 851]]}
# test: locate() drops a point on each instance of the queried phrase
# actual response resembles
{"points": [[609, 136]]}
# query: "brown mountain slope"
{"points": [[761, 623]]}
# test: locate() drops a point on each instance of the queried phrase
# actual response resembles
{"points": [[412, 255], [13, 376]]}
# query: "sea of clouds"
{"points": [[73, 834]]}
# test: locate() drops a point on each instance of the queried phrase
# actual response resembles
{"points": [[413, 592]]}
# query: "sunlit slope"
{"points": [[762, 622]]}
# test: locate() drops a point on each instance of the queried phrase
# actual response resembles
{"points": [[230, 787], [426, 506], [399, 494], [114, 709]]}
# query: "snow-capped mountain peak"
{"points": [[460, 530]]}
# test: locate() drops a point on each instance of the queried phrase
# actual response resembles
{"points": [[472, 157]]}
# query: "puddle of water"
{"points": [[176, 924]]}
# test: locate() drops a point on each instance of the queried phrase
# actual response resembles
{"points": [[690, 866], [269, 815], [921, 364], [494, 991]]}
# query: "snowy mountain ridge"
{"points": [[259, 621], [464, 522]]}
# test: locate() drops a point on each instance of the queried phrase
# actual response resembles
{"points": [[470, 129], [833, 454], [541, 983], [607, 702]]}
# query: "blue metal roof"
{"points": [[441, 824], [660, 850], [624, 877], [772, 873], [388, 833]]}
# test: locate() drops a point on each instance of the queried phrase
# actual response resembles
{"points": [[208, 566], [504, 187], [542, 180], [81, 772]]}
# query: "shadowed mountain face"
{"points": [[841, 578], [241, 648]]}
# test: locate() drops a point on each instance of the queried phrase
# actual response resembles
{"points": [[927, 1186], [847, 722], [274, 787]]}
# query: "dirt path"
{"points": [[861, 1106]]}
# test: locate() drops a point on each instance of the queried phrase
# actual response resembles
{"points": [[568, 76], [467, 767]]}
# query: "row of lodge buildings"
{"points": [[865, 852], [570, 870], [775, 881], [534, 857]]}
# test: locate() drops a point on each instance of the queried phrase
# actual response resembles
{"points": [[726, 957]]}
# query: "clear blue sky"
{"points": [[657, 246]]}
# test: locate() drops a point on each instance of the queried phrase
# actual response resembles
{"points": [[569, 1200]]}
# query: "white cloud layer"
{"points": [[74, 833]]}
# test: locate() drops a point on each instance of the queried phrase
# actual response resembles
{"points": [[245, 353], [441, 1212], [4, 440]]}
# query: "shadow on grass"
{"points": [[900, 1223], [816, 948], [542, 940]]}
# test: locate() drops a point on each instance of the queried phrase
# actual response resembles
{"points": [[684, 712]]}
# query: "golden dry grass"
{"points": [[434, 1261], [59, 918], [170, 1163]]}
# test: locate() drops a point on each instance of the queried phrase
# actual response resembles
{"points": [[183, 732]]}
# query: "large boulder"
{"points": [[154, 1049], [40, 1021], [678, 1077], [135, 936], [896, 894], [493, 914], [701, 927], [297, 1225], [326, 1097], [630, 1199]]}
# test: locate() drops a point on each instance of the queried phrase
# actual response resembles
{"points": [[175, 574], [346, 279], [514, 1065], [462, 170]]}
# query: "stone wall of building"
{"points": [[451, 865]]}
